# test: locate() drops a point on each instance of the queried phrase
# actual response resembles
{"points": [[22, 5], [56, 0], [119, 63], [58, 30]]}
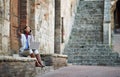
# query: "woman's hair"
{"points": [[25, 31]]}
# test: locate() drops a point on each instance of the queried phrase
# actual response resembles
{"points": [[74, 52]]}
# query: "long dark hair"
{"points": [[25, 31]]}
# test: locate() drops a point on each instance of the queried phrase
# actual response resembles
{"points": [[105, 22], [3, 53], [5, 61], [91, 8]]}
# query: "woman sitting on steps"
{"points": [[25, 38]]}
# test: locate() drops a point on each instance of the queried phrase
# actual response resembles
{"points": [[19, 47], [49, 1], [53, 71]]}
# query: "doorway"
{"points": [[117, 18], [116, 27], [18, 18]]}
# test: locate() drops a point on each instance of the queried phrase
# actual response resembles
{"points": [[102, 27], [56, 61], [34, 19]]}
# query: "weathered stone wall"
{"points": [[68, 10], [1, 22], [17, 67], [44, 25], [4, 25], [31, 14]]}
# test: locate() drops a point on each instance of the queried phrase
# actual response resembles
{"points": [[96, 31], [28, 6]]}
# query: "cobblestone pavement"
{"points": [[85, 71]]}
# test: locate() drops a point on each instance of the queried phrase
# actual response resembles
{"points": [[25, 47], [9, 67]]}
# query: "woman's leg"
{"points": [[38, 57], [32, 55]]}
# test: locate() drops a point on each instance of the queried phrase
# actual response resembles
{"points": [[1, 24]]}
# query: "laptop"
{"points": [[34, 45]]}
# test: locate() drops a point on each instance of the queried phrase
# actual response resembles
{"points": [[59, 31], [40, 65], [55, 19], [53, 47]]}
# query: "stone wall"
{"points": [[42, 18], [17, 67], [4, 25], [68, 10]]}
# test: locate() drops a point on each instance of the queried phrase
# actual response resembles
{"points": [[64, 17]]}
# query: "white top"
{"points": [[24, 40]]}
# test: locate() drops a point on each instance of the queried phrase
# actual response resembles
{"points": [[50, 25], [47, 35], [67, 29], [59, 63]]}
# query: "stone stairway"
{"points": [[85, 45]]}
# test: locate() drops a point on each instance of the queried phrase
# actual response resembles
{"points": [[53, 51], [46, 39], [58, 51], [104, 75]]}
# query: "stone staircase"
{"points": [[85, 46]]}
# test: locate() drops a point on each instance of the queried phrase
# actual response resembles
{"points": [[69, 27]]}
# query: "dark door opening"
{"points": [[117, 18], [18, 18]]}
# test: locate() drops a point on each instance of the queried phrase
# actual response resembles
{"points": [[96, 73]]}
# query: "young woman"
{"points": [[26, 37]]}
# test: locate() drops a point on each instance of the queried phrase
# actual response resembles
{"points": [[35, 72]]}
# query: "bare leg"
{"points": [[36, 63], [39, 60]]}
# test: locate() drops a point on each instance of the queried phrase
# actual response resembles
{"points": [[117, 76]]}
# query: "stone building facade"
{"points": [[49, 21], [57, 24], [41, 16]]}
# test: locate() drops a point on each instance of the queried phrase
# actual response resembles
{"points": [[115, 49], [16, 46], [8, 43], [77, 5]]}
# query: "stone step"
{"points": [[87, 21], [77, 54], [93, 61], [91, 53], [97, 46], [96, 62], [87, 15], [85, 38], [83, 26], [91, 4], [86, 27], [88, 50], [86, 41], [91, 11], [84, 34], [83, 49], [98, 54]]}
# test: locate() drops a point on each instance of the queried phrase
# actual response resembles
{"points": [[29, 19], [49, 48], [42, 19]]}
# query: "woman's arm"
{"points": [[19, 32]]}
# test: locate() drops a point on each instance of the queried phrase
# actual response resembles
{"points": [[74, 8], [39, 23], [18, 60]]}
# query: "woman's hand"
{"points": [[19, 32]]}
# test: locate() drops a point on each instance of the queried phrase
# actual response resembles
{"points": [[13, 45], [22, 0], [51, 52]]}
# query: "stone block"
{"points": [[16, 67], [55, 60]]}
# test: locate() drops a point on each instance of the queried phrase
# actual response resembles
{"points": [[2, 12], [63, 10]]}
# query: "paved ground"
{"points": [[85, 71]]}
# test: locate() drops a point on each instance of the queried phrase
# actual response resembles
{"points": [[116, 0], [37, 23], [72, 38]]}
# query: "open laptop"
{"points": [[34, 45]]}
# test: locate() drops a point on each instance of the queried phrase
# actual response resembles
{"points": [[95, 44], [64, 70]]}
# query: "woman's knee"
{"points": [[36, 51], [30, 51]]}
